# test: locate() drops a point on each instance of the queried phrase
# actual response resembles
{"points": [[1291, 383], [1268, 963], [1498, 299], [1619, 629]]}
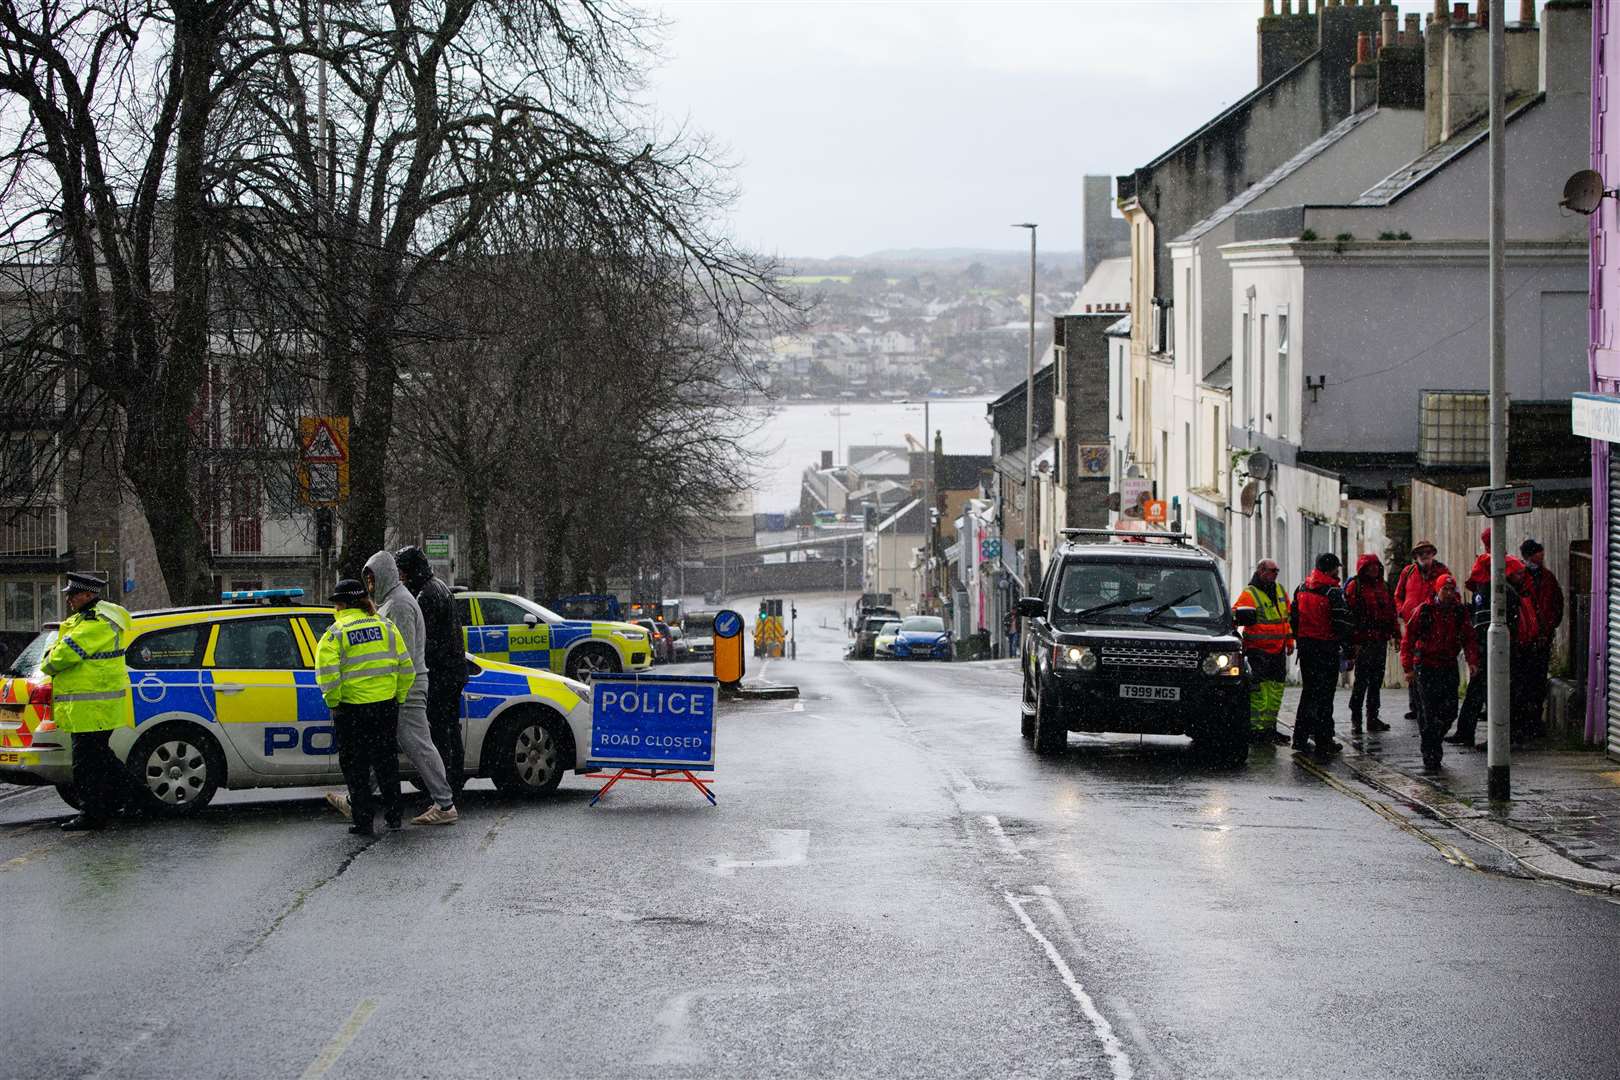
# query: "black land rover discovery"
{"points": [[1134, 637]]}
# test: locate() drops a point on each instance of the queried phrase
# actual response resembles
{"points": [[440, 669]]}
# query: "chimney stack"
{"points": [[1439, 11], [1283, 39]]}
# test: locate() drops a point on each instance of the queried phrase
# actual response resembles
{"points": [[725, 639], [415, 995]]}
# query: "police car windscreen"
{"points": [[1141, 593], [700, 624], [26, 663]]}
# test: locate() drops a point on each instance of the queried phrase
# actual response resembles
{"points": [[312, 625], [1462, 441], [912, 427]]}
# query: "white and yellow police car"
{"points": [[225, 697], [500, 626]]}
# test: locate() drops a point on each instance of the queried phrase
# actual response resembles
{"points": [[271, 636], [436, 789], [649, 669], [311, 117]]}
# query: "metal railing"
{"points": [[30, 530]]}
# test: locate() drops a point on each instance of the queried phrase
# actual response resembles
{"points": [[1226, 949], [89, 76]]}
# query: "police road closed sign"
{"points": [[653, 721]]}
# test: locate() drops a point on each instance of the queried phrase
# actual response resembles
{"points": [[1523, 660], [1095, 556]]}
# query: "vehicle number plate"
{"points": [[1150, 693]]}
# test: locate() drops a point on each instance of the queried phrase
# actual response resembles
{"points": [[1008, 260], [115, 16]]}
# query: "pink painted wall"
{"points": [[1605, 331]]}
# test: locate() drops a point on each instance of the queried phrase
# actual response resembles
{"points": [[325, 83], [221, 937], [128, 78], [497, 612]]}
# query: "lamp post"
{"points": [[1498, 753], [1029, 417]]}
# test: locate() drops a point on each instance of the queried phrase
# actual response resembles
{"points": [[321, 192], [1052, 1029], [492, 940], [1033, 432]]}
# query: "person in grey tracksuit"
{"points": [[395, 603]]}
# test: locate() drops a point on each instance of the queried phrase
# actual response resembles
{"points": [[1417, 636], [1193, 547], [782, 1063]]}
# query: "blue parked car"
{"points": [[922, 637]]}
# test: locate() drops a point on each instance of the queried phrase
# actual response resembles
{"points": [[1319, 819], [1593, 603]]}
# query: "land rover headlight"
{"points": [[1075, 657], [1222, 664]]}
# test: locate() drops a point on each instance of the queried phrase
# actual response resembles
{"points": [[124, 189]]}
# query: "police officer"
{"points": [[364, 671], [1267, 645], [90, 696]]}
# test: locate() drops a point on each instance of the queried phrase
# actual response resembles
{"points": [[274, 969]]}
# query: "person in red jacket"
{"points": [[1372, 610], [1440, 630], [1321, 624], [1543, 593], [1414, 588], [1521, 626]]}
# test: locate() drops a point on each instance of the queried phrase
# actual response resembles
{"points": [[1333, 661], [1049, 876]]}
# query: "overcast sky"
{"points": [[866, 126]]}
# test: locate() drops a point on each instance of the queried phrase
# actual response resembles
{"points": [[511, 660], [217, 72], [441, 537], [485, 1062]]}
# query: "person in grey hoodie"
{"points": [[395, 603]]}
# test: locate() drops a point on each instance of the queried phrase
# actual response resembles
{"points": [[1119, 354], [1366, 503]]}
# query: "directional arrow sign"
{"points": [[1500, 501]]}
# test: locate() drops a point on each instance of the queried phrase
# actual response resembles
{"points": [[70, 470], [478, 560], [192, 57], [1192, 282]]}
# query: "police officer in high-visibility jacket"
{"points": [[90, 696], [364, 672], [1267, 645]]}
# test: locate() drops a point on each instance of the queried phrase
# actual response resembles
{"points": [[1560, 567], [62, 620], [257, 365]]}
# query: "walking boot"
{"points": [[1459, 739], [1375, 724], [1278, 737]]}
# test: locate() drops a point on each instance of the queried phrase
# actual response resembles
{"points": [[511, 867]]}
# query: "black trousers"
{"points": [[1368, 685], [102, 782], [1437, 706], [444, 722], [368, 745], [1319, 671], [1475, 700]]}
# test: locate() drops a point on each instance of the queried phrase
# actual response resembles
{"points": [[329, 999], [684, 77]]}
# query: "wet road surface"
{"points": [[892, 885]]}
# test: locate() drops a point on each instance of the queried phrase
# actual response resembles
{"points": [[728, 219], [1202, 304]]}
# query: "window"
{"points": [[257, 644], [318, 624], [25, 605], [464, 611], [498, 612], [1215, 451], [1260, 402], [1285, 409], [1247, 373], [1119, 374], [1057, 462], [177, 648], [1187, 303], [1187, 455]]}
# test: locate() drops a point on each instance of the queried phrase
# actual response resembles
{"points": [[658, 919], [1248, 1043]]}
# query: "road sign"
{"points": [[729, 665], [323, 459], [436, 546], [666, 721], [1501, 501]]}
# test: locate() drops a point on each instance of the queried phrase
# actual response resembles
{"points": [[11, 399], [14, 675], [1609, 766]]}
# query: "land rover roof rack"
{"points": [[1140, 536]]}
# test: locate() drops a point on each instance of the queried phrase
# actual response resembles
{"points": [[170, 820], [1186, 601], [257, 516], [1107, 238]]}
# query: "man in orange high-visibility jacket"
{"points": [[1267, 644]]}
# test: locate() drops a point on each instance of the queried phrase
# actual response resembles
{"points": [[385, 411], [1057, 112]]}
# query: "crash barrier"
{"points": [[729, 665], [770, 636], [653, 727]]}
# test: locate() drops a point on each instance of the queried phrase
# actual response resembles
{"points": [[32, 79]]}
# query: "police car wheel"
{"points": [[529, 755], [174, 770], [591, 658]]}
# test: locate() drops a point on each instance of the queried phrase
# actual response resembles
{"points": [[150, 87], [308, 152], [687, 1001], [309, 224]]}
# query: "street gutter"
{"points": [[1538, 858]]}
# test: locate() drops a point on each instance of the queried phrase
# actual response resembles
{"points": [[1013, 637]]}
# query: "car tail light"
{"points": [[39, 696]]}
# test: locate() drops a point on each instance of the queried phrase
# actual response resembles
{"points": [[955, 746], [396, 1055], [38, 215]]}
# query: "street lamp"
{"points": [[1029, 416]]}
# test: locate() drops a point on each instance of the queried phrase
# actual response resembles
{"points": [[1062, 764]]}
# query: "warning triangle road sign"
{"points": [[322, 446]]}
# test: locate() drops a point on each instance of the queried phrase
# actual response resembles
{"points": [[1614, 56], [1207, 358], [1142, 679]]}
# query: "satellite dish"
{"points": [[1583, 192], [1247, 497], [1112, 502], [1259, 465]]}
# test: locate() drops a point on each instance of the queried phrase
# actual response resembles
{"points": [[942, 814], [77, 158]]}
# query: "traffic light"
{"points": [[325, 528]]}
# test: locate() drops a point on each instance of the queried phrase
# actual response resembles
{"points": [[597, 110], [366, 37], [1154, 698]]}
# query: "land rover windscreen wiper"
{"points": [[1167, 605], [1083, 612]]}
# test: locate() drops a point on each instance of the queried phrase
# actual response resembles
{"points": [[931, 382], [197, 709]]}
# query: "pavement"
{"points": [[891, 885], [1562, 823]]}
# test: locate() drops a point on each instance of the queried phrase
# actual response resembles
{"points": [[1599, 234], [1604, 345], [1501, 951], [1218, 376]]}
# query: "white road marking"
{"points": [[340, 1042], [1118, 1060], [1132, 1023], [792, 847], [1003, 841], [676, 1044]]}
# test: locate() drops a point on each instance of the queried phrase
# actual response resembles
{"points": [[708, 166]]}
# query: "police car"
{"points": [[225, 697], [510, 628]]}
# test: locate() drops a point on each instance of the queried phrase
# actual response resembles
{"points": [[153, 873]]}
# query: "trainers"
{"points": [[435, 816], [338, 801]]}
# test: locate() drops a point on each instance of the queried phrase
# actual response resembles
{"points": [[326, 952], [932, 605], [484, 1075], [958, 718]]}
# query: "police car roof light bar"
{"points": [[259, 596]]}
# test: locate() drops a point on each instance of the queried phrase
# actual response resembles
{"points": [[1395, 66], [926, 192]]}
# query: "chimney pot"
{"points": [[1287, 7], [1363, 47], [1269, 10], [1459, 11], [1527, 12], [1484, 12], [1439, 10], [1390, 27]]}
